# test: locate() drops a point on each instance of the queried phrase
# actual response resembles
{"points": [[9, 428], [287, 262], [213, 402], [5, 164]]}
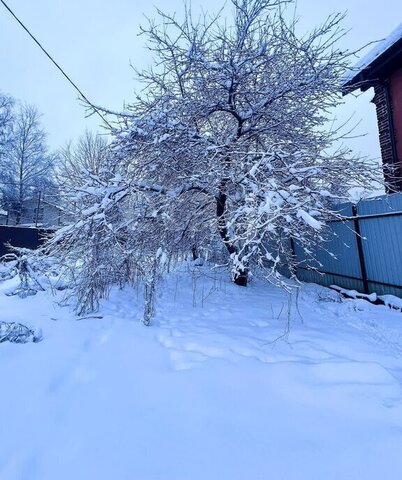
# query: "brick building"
{"points": [[382, 70]]}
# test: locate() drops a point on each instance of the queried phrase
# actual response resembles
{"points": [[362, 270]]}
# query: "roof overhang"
{"points": [[376, 67]]}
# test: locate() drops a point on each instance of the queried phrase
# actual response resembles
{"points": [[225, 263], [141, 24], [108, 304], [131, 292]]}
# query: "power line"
{"points": [[55, 63]]}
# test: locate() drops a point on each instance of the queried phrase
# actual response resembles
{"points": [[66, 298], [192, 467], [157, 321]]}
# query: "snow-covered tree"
{"points": [[6, 120], [233, 128], [27, 165], [228, 140]]}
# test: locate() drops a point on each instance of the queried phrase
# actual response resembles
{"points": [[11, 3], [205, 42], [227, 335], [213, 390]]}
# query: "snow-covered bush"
{"points": [[115, 240], [17, 333], [29, 271], [21, 264]]}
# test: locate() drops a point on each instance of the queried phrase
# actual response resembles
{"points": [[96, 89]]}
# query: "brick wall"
{"points": [[391, 165], [395, 90]]}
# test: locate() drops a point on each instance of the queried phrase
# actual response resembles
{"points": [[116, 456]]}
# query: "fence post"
{"points": [[37, 209], [360, 250]]}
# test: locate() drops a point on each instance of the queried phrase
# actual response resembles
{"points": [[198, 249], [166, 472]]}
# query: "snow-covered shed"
{"points": [[381, 69]]}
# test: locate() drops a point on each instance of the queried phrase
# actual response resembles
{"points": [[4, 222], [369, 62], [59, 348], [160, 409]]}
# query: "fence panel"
{"points": [[20, 237], [381, 228], [371, 262]]}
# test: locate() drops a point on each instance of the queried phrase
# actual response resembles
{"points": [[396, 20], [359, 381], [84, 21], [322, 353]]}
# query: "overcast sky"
{"points": [[95, 41]]}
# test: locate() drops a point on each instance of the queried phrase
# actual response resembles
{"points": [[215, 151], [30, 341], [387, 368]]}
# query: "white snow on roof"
{"points": [[376, 52], [3, 212]]}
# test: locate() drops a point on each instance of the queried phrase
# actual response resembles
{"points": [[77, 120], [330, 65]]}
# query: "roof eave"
{"points": [[377, 71]]}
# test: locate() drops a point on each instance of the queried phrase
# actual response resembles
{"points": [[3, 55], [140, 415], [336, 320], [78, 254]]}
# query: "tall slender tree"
{"points": [[6, 122], [27, 165]]}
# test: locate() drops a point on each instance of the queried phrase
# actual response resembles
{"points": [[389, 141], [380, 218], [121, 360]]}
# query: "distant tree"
{"points": [[6, 121], [78, 160], [27, 164]]}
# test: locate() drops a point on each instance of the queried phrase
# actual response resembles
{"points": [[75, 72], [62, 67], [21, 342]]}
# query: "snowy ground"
{"points": [[206, 393]]}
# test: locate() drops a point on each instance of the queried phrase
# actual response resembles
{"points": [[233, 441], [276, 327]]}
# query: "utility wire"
{"points": [[96, 110]]}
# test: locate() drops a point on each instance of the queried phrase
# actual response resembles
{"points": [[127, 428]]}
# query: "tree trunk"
{"points": [[18, 214], [241, 276], [20, 191]]}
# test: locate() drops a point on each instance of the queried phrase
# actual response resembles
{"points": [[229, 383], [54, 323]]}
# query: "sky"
{"points": [[96, 41]]}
